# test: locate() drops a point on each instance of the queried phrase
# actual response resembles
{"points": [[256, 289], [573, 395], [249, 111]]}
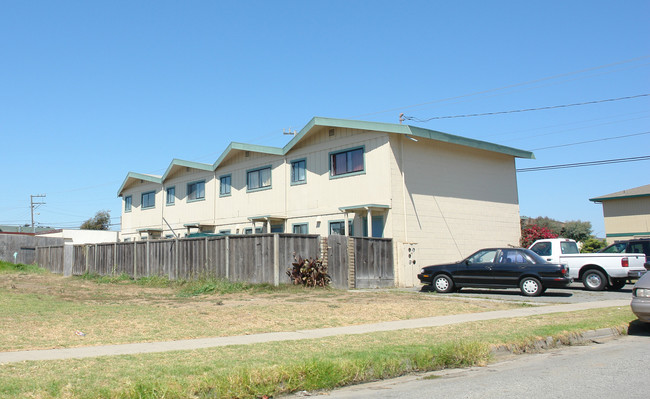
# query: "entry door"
{"points": [[377, 226]]}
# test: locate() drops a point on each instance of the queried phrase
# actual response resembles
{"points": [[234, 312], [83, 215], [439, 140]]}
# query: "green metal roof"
{"points": [[262, 149], [138, 176], [406, 130], [364, 206], [185, 164], [641, 191]]}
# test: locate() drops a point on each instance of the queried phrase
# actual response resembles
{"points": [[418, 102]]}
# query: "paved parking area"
{"points": [[573, 294]]}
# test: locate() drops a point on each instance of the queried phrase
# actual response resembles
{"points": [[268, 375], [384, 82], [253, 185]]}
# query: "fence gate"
{"points": [[373, 263], [337, 260]]}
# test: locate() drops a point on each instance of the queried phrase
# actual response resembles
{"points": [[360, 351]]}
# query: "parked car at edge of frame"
{"points": [[498, 268], [641, 298]]}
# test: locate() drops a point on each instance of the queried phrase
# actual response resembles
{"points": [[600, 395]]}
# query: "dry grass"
{"points": [[44, 311], [282, 367]]}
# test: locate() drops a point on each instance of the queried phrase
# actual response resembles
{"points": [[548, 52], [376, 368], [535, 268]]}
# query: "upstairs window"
{"points": [[224, 185], [148, 199], [196, 191], [128, 201], [346, 162], [299, 172], [259, 178], [171, 196]]}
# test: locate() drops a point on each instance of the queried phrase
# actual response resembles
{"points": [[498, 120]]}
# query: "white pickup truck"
{"points": [[596, 271]]}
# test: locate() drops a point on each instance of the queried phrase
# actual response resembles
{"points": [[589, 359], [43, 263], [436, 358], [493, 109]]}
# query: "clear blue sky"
{"points": [[92, 90]]}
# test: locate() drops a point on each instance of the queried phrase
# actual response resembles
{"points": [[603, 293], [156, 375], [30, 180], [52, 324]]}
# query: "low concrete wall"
{"points": [[24, 246]]}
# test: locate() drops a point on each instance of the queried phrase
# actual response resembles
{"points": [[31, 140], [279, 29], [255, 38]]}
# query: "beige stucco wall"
{"points": [[446, 200], [316, 202], [184, 211], [457, 200], [626, 218], [138, 218]]}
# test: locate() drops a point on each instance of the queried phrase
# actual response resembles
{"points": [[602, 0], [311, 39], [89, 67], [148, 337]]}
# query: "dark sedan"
{"points": [[498, 268]]}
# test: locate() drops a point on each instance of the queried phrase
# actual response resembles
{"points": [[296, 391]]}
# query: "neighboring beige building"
{"points": [[444, 196], [81, 237], [627, 213]]}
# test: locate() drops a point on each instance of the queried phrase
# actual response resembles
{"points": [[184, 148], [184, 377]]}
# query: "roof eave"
{"points": [[138, 176], [235, 146], [407, 130], [188, 164]]}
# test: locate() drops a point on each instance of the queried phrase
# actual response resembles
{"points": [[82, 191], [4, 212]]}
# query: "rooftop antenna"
{"points": [[289, 132]]}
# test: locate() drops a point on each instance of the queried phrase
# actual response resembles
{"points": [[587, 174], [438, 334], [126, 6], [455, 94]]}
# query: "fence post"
{"points": [[276, 259], [176, 247], [227, 251], [86, 248], [205, 261], [114, 258], [146, 256], [135, 260]]}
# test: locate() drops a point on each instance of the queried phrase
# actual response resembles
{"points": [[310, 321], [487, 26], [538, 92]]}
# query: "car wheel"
{"points": [[443, 283], [530, 286], [617, 284], [594, 280]]}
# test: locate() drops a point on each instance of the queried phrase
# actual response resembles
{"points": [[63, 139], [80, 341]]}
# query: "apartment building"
{"points": [[442, 195]]}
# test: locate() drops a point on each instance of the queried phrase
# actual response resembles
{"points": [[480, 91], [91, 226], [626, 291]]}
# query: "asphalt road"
{"points": [[572, 294], [616, 368]]}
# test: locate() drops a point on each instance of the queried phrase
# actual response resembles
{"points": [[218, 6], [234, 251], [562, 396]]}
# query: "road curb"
{"points": [[550, 342]]}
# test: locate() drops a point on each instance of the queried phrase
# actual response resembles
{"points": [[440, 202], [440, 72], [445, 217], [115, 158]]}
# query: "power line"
{"points": [[505, 87], [583, 164], [414, 119], [590, 141]]}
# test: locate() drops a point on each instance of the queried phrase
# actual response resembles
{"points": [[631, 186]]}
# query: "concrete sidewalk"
{"points": [[191, 344]]}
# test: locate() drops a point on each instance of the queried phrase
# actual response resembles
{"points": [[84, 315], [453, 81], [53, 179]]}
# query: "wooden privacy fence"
{"points": [[52, 258], [361, 262], [353, 262], [260, 258]]}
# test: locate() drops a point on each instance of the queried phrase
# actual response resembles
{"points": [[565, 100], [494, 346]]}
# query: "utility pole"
{"points": [[34, 205]]}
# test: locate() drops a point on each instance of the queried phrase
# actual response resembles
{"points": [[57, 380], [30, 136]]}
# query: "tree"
{"points": [[593, 244], [555, 226], [101, 221], [533, 233], [576, 230]]}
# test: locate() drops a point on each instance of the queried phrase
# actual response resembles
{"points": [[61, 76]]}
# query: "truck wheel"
{"points": [[531, 286], [617, 284], [594, 280], [443, 283]]}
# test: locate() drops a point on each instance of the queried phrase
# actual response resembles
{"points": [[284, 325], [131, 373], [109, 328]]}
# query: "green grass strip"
{"points": [[284, 367]]}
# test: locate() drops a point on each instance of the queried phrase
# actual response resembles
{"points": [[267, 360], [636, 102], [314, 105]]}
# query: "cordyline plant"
{"points": [[308, 272]]}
